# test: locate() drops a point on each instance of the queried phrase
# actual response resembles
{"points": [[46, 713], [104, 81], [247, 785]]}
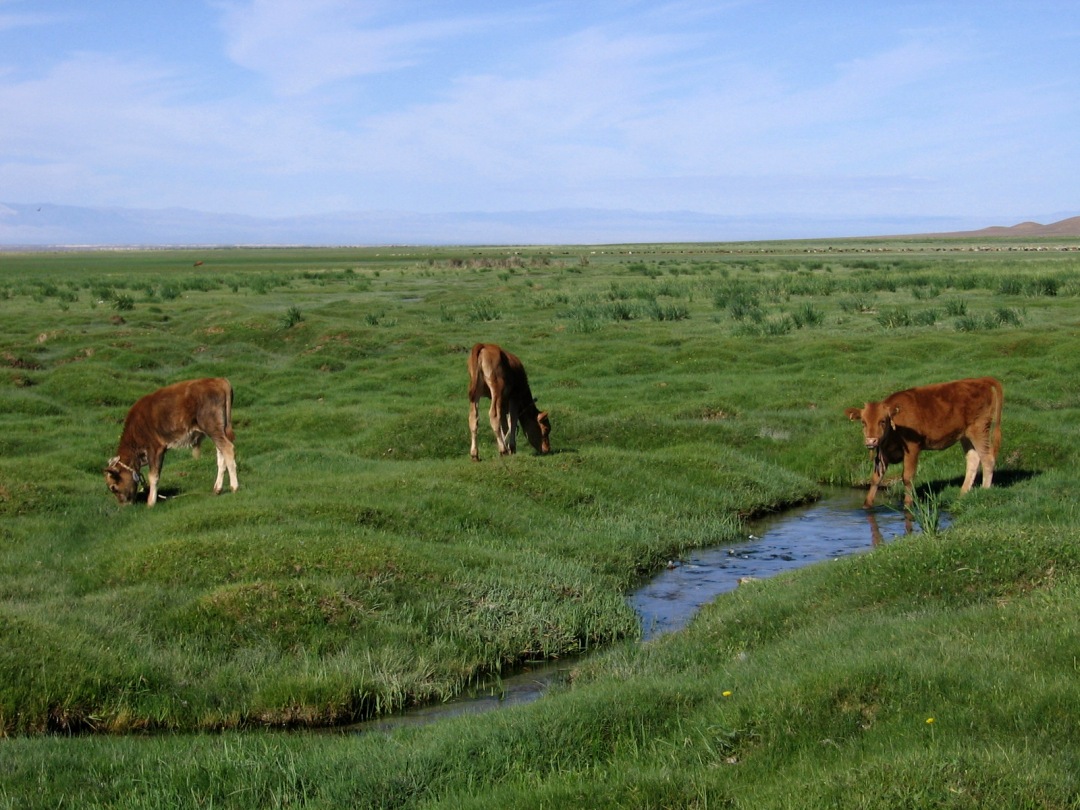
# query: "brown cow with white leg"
{"points": [[933, 417], [179, 415], [495, 373]]}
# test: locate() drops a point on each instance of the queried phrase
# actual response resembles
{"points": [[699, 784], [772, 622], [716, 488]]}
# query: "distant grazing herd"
{"points": [[896, 429]]}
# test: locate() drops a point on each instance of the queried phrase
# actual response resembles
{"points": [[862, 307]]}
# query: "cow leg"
{"points": [[990, 445], [495, 416], [971, 457], [875, 479], [511, 429], [988, 461], [911, 463], [230, 462], [474, 419], [226, 459], [153, 473]]}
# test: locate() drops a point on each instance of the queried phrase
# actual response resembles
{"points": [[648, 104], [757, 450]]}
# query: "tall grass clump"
{"points": [[1011, 285], [1007, 316], [484, 310], [925, 317], [668, 311], [292, 317], [807, 315], [895, 317], [955, 307], [926, 508], [973, 323], [741, 300], [1044, 286]]}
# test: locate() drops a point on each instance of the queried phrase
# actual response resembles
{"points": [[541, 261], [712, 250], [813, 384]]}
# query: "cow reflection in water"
{"points": [[876, 537]]}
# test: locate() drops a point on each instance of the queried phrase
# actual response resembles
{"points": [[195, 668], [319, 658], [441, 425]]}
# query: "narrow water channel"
{"points": [[832, 527]]}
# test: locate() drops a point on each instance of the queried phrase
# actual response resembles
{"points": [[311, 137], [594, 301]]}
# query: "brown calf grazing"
{"points": [[497, 374], [933, 417], [179, 415]]}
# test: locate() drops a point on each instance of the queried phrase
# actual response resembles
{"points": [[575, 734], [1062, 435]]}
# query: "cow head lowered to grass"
{"points": [[122, 480], [179, 415], [933, 417]]}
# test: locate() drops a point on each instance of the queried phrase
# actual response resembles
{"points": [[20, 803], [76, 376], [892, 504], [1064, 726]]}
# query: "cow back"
{"points": [[939, 414], [176, 415]]}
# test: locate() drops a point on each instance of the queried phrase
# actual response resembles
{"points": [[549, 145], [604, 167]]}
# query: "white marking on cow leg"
{"points": [[226, 460], [988, 460], [511, 430], [220, 471], [230, 462], [495, 417], [474, 419], [152, 479], [971, 455]]}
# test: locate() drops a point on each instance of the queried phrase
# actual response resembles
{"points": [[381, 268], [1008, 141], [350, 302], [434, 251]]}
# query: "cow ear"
{"points": [[853, 414]]}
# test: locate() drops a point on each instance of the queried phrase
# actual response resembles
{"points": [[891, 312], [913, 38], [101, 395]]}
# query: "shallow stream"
{"points": [[832, 527]]}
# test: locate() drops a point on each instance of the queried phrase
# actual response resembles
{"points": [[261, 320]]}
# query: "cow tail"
{"points": [[228, 413], [996, 406], [475, 372]]}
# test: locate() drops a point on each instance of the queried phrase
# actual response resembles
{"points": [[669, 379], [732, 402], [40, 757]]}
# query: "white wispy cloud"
{"points": [[301, 46]]}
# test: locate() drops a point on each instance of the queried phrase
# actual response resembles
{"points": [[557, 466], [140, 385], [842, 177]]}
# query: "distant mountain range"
{"points": [[1065, 227], [48, 225]]}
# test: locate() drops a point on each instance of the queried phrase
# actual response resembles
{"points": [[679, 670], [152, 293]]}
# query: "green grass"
{"points": [[367, 564]]}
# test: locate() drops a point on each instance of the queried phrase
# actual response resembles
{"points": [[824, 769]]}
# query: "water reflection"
{"points": [[833, 527], [876, 536]]}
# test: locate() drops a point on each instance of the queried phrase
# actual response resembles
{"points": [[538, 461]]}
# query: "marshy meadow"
{"points": [[213, 651]]}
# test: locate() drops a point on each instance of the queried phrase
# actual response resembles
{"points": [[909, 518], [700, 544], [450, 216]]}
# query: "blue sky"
{"points": [[294, 107]]}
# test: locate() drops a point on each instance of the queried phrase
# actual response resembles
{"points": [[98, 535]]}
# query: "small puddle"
{"points": [[832, 527]]}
